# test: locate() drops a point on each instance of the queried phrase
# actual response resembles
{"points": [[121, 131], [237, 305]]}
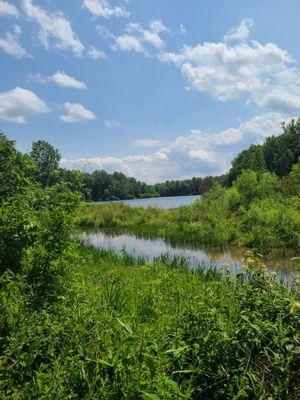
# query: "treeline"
{"points": [[278, 154], [100, 185]]}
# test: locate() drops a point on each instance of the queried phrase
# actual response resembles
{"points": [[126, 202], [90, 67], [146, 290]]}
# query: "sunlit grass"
{"points": [[129, 329]]}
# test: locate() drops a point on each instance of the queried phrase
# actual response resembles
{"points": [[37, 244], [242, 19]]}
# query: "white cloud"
{"points": [[104, 32], [37, 78], [66, 81], [182, 29], [104, 8], [280, 99], [8, 9], [196, 153], [60, 78], [263, 74], [18, 104], [111, 123], [55, 29], [9, 43], [156, 26], [241, 33], [76, 113], [95, 54], [136, 38], [128, 43], [147, 143]]}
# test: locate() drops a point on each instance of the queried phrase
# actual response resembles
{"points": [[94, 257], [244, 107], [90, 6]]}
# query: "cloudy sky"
{"points": [[155, 89]]}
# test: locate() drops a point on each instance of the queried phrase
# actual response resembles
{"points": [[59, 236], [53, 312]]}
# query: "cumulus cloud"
{"points": [[263, 74], [95, 54], [128, 43], [136, 38], [76, 113], [54, 28], [66, 81], [9, 43], [241, 33], [8, 10], [104, 8], [147, 143], [60, 78], [196, 153], [18, 104], [112, 123]]}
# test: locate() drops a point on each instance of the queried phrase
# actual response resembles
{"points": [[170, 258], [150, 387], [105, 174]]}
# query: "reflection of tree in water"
{"points": [[152, 247]]}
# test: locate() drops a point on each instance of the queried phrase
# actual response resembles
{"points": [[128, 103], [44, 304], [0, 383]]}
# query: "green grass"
{"points": [[265, 224], [128, 329]]}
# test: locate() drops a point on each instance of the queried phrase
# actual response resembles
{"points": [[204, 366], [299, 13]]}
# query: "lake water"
{"points": [[160, 202], [151, 248]]}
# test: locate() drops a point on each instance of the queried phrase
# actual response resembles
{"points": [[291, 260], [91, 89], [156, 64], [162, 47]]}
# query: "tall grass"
{"points": [[266, 223], [131, 329]]}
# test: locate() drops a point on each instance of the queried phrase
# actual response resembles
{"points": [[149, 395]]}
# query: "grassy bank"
{"points": [[128, 329], [259, 211]]}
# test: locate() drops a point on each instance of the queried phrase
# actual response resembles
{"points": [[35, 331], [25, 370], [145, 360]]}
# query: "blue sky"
{"points": [[155, 89]]}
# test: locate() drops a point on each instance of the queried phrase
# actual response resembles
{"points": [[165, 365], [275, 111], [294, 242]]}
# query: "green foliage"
{"points": [[35, 225], [257, 211], [100, 185], [46, 159], [246, 185], [81, 323], [151, 331], [278, 154], [249, 159], [295, 179], [15, 169]]}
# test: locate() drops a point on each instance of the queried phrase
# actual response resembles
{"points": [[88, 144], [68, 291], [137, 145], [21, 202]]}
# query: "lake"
{"points": [[160, 202], [152, 248]]}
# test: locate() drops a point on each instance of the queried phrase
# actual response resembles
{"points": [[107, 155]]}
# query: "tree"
{"points": [[295, 179], [246, 185], [249, 159], [15, 169], [268, 185], [46, 159]]}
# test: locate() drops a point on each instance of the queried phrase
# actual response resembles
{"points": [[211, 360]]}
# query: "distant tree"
{"points": [[46, 159], [268, 184], [282, 152], [249, 159], [246, 185]]}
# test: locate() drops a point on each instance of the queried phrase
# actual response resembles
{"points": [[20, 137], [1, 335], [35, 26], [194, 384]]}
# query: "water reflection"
{"points": [[152, 248], [160, 202]]}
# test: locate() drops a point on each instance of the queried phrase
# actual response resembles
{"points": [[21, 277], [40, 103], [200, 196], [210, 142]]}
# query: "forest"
{"points": [[79, 322]]}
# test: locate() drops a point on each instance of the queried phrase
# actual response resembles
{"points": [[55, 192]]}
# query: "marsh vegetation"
{"points": [[78, 322]]}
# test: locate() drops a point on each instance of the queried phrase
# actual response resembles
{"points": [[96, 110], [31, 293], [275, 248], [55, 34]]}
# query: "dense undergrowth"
{"points": [[80, 323], [130, 329], [259, 211]]}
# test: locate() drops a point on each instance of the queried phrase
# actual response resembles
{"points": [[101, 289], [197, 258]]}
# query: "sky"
{"points": [[156, 89]]}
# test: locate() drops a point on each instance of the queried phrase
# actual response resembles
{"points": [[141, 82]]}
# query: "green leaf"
{"points": [[126, 326], [100, 361], [151, 396], [184, 371]]}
